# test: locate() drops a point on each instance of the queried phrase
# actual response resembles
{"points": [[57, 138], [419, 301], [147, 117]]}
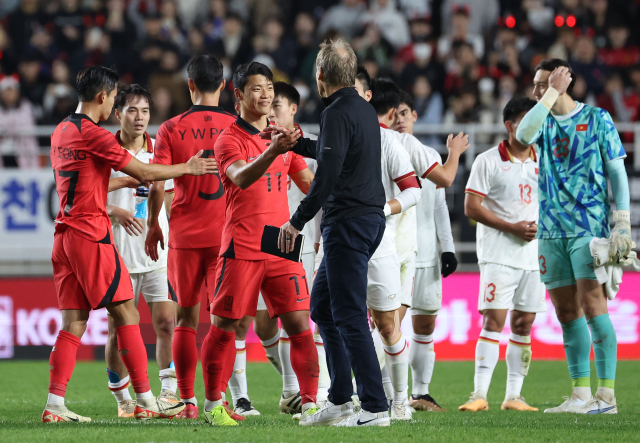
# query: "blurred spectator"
{"points": [[309, 109], [196, 43], [483, 14], [23, 22], [58, 92], [585, 63], [423, 64], [564, 45], [619, 53], [344, 18], [372, 45], [96, 51], [171, 25], [119, 25], [234, 43], [415, 8], [69, 26], [188, 10], [281, 49], [459, 32], [213, 25], [427, 102], [33, 82], [622, 103], [391, 23], [162, 108], [9, 60], [16, 119], [581, 93], [539, 16], [306, 46], [464, 71], [463, 108], [169, 76]]}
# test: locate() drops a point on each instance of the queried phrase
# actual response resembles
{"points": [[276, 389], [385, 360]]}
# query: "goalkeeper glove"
{"points": [[449, 263], [620, 243]]}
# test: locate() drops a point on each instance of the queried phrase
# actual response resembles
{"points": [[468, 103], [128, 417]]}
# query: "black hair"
{"points": [[206, 73], [285, 90], [126, 93], [549, 64], [406, 98], [95, 79], [363, 77], [243, 72], [386, 95], [515, 107]]}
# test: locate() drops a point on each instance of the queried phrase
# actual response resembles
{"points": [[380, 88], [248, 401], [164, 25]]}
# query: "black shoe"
{"points": [[425, 403], [244, 408]]}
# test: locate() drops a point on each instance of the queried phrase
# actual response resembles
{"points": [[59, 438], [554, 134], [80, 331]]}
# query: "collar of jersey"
{"points": [[85, 116], [146, 147], [505, 154], [349, 90], [575, 111], [248, 127]]}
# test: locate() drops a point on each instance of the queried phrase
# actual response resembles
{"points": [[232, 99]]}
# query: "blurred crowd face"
{"points": [[134, 117], [422, 87], [162, 101], [218, 8], [618, 37], [70, 5], [460, 24], [29, 70], [10, 96], [232, 26], [585, 50], [282, 112], [59, 71], [404, 119], [257, 95]]}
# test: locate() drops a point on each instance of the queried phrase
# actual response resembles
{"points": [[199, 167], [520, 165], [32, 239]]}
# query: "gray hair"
{"points": [[338, 62]]}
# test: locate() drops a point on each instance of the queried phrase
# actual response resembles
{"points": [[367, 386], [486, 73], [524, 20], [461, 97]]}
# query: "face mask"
{"points": [[303, 90], [422, 51]]}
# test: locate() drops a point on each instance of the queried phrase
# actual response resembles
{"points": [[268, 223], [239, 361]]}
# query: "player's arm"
{"points": [[306, 147], [399, 166], [525, 230], [244, 174], [445, 237], [528, 130], [148, 172], [154, 231], [132, 225], [303, 179], [123, 182], [168, 201], [444, 175]]}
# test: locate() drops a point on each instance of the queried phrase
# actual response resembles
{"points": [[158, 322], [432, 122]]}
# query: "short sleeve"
{"points": [[297, 164], [105, 147], [227, 150], [162, 147], [480, 179], [422, 159], [399, 163], [168, 185], [609, 139]]}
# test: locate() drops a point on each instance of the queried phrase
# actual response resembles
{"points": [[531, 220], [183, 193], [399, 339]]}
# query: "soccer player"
{"points": [[254, 175], [129, 230], [283, 110], [383, 285], [197, 215], [579, 149], [88, 271], [421, 234], [502, 196]]}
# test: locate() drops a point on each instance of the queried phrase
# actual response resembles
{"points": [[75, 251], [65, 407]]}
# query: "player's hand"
{"points": [[620, 242], [133, 226], [449, 263], [525, 230], [154, 235], [287, 238], [201, 166], [560, 79], [130, 182], [457, 144], [282, 142]]}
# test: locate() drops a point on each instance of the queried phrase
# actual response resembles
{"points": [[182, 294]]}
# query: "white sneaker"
{"points": [[364, 418], [597, 405], [401, 411], [573, 404], [245, 408], [60, 413], [328, 415], [291, 405]]}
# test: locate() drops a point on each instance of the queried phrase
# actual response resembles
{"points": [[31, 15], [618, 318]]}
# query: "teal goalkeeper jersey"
{"points": [[573, 190]]}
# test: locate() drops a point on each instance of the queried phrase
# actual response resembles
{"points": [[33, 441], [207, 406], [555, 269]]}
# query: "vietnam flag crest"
{"points": [[582, 127]]}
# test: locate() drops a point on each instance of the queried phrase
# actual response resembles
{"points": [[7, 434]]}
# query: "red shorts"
{"points": [[87, 274], [188, 270], [283, 284]]}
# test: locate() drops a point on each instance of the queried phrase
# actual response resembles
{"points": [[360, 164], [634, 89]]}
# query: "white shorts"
{"points": [[384, 291], [308, 262], [407, 279], [153, 285], [427, 291], [504, 287]]}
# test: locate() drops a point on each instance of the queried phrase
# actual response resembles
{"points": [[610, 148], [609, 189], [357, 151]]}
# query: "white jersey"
{"points": [[131, 248], [510, 190], [396, 166], [295, 196], [419, 232]]}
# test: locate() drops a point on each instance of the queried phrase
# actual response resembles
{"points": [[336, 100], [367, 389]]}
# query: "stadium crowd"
{"points": [[462, 60]]}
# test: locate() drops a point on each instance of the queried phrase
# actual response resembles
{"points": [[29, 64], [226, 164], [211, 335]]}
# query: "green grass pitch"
{"points": [[23, 390]]}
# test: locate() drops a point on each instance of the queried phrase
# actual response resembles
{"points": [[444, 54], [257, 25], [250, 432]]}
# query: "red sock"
{"points": [[215, 351], [134, 356], [185, 358], [62, 360], [304, 360], [227, 370]]}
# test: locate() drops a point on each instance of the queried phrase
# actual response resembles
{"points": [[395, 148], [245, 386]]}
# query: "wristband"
{"points": [[387, 210], [549, 98]]}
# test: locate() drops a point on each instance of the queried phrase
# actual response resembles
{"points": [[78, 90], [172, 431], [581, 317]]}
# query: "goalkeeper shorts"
{"points": [[564, 260]]}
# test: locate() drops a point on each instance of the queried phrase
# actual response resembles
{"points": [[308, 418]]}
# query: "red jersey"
{"points": [[82, 156], [197, 211], [263, 203]]}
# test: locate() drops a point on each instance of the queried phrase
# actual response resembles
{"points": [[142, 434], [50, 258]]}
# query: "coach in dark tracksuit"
{"points": [[348, 187]]}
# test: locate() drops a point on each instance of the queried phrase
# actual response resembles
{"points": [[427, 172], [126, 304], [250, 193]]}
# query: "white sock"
{"points": [[168, 379], [324, 380], [289, 380], [386, 383], [518, 360], [271, 348], [55, 400], [379, 347], [238, 381], [223, 396], [192, 400], [209, 405], [145, 398], [397, 359], [422, 358], [584, 392], [607, 394], [487, 353], [120, 390]]}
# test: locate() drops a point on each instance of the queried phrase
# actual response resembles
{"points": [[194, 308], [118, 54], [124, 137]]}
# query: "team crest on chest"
{"points": [[506, 168], [285, 157]]}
